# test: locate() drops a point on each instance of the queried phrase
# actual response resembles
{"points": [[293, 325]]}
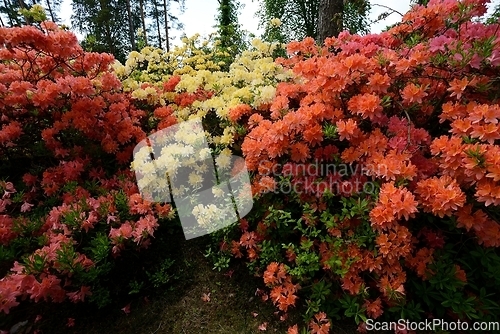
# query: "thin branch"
{"points": [[408, 143], [389, 8]]}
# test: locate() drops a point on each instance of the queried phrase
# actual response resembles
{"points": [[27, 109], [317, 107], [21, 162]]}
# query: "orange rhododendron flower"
{"points": [[366, 105], [379, 83], [347, 129], [374, 309], [440, 196], [293, 330], [413, 94], [457, 87], [460, 274], [420, 261], [393, 203]]}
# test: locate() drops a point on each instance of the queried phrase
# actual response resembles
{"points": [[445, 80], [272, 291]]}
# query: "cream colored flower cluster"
{"points": [[177, 162], [211, 216], [156, 65], [173, 157], [251, 79]]}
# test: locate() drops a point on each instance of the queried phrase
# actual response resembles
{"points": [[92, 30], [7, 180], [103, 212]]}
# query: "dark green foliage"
{"points": [[102, 23], [230, 35], [110, 27], [299, 18]]}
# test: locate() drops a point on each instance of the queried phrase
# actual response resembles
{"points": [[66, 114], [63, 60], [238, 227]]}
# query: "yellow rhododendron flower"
{"points": [[275, 22]]}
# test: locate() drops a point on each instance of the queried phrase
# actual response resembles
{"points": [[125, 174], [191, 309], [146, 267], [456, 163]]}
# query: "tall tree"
{"points": [[165, 13], [298, 17], [143, 21], [230, 35], [162, 21], [101, 22], [330, 21], [227, 23], [157, 18], [301, 18], [131, 31]]}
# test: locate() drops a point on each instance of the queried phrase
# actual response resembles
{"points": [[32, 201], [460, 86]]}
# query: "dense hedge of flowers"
{"points": [[376, 173], [69, 203], [373, 163], [70, 121]]}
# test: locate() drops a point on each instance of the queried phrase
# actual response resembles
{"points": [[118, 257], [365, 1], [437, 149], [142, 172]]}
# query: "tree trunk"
{"points": [[157, 17], [50, 11], [141, 3], [166, 25], [330, 18], [130, 26], [8, 5]]}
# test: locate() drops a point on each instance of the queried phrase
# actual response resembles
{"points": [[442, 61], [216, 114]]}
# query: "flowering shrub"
{"points": [[69, 203], [191, 85], [373, 161], [376, 173]]}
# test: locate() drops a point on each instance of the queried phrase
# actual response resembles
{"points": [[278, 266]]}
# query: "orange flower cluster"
{"points": [[393, 204], [441, 196], [320, 324], [374, 308], [419, 262], [283, 290], [486, 229], [249, 241]]}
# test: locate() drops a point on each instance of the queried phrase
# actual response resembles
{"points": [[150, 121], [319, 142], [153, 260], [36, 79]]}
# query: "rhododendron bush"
{"points": [[69, 204], [376, 173]]}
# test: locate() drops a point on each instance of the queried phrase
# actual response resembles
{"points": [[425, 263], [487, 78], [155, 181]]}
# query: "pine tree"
{"points": [[231, 37], [102, 24], [10, 14]]}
